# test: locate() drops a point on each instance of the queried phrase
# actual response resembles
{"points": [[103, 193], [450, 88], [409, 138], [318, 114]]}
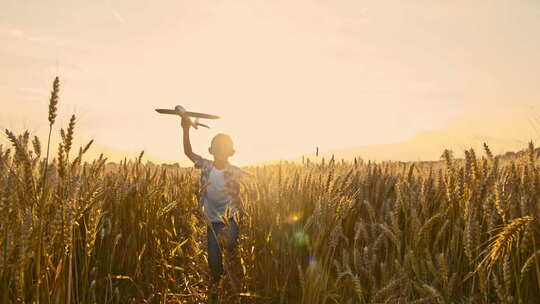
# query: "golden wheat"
{"points": [[459, 230]]}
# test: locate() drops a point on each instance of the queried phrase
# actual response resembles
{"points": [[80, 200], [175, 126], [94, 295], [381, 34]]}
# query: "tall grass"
{"points": [[456, 231]]}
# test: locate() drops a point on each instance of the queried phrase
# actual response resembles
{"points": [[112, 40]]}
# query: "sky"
{"points": [[285, 76]]}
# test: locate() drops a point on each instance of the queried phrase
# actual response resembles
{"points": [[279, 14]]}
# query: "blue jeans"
{"points": [[230, 236]]}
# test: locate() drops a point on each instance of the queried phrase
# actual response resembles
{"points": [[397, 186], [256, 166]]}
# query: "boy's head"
{"points": [[221, 147]]}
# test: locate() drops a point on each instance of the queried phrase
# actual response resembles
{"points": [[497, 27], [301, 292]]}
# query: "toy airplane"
{"points": [[180, 111]]}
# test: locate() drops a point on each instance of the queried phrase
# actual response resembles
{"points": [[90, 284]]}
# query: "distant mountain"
{"points": [[504, 129], [427, 146]]}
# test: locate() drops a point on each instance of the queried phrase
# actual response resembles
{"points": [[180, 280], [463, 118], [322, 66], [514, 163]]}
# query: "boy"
{"points": [[219, 198]]}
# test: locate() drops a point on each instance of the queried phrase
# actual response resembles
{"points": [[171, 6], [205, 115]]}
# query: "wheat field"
{"points": [[86, 231]]}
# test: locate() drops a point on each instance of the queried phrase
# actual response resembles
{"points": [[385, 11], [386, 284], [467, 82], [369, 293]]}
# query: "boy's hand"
{"points": [[186, 123]]}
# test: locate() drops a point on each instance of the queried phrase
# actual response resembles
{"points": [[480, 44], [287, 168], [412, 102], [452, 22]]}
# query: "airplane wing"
{"points": [[166, 111], [201, 115]]}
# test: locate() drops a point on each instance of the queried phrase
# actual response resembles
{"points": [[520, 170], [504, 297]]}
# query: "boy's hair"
{"points": [[223, 140]]}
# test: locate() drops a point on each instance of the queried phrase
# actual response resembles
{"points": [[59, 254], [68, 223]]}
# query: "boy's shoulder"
{"points": [[237, 172], [233, 171], [203, 163]]}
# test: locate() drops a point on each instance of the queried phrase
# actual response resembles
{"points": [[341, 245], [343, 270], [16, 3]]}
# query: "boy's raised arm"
{"points": [[187, 143]]}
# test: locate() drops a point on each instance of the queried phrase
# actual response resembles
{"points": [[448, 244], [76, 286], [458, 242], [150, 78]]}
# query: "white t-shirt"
{"points": [[215, 199], [216, 185]]}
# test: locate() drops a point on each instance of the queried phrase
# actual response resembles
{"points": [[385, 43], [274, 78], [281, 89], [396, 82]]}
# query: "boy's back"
{"points": [[220, 189]]}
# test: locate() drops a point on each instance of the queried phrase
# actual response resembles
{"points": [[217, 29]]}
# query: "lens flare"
{"points": [[293, 218]]}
